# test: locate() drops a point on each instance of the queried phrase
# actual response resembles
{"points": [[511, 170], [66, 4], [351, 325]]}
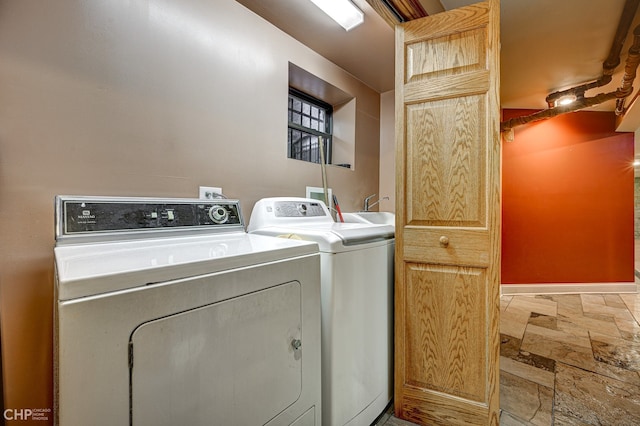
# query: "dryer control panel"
{"points": [[92, 215]]}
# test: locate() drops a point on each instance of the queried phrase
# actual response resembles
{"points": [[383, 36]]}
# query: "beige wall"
{"points": [[387, 152], [141, 98]]}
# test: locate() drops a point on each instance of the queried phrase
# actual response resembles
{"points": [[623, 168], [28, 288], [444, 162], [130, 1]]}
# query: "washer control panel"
{"points": [[298, 209], [86, 215]]}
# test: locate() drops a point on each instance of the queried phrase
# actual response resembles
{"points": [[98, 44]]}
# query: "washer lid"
{"points": [[92, 269], [364, 234], [334, 237]]}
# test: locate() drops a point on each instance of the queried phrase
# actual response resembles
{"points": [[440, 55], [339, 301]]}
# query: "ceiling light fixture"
{"points": [[565, 100], [344, 12]]}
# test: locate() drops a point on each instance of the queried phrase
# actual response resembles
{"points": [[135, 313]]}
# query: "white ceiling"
{"points": [[547, 45], [550, 45], [366, 51]]}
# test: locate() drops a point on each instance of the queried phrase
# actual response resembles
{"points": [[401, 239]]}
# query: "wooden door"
{"points": [[448, 217]]}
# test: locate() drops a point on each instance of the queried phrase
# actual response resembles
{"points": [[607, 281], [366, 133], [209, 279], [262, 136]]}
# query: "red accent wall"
{"points": [[567, 201]]}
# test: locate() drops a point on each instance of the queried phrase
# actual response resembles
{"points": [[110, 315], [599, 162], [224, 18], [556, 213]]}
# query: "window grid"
{"points": [[309, 119]]}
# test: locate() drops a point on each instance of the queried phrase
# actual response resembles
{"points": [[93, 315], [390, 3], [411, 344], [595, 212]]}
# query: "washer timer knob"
{"points": [[218, 214]]}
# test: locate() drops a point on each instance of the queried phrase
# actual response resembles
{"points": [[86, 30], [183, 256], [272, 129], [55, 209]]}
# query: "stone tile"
{"points": [[621, 353], [504, 302], [621, 313], [388, 419], [507, 419], [568, 304], [513, 322], [545, 321], [614, 372], [594, 399], [614, 301], [629, 330], [526, 371], [537, 361], [525, 400], [632, 301], [533, 304], [566, 333], [578, 356], [544, 296], [560, 419], [509, 346], [582, 324], [600, 317], [394, 421], [593, 299]]}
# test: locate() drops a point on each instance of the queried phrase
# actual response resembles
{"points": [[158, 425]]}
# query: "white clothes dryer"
{"points": [[168, 313], [357, 304]]}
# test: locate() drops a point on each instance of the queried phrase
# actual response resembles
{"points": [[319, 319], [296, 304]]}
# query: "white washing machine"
{"points": [[168, 313], [357, 304]]}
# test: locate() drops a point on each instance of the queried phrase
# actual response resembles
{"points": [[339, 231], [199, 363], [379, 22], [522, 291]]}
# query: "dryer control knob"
{"points": [[218, 214]]}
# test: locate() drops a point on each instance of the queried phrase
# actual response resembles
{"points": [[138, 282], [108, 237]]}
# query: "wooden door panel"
{"points": [[446, 353], [448, 217], [447, 55], [446, 181]]}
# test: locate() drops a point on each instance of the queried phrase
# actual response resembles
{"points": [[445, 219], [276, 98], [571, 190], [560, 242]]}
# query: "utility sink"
{"points": [[378, 218]]}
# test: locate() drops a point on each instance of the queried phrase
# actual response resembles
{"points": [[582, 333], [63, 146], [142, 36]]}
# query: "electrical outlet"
{"points": [[209, 192]]}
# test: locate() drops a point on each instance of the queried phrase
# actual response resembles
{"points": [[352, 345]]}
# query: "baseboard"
{"points": [[569, 288]]}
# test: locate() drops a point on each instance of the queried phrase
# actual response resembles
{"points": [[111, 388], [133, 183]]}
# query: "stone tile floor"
{"points": [[567, 360]]}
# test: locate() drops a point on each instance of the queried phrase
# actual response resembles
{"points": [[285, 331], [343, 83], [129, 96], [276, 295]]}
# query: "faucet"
{"points": [[367, 206]]}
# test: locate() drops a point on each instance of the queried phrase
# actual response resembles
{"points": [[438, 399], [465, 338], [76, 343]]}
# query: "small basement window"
{"points": [[309, 120]]}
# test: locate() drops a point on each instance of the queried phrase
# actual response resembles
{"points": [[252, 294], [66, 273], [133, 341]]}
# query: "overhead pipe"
{"points": [[552, 112], [628, 13], [612, 61], [632, 62]]}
